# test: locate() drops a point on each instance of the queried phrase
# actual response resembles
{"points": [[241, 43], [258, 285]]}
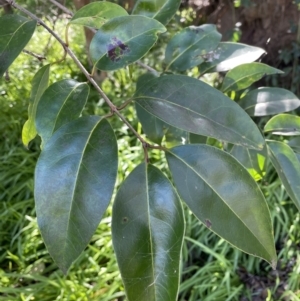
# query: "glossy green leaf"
{"points": [[156, 130], [62, 102], [152, 126], [15, 33], [269, 101], [254, 161], [162, 10], [189, 47], [283, 124], [223, 195], [147, 231], [39, 85], [287, 166], [229, 55], [242, 76], [295, 144], [123, 40], [193, 106], [97, 13], [74, 180]]}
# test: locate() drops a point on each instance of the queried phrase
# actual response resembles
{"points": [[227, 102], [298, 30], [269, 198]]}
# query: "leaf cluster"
{"points": [[214, 150]]}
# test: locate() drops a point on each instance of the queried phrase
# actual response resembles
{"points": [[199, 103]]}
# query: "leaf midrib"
{"points": [[98, 15], [188, 48], [184, 162], [274, 101], [271, 71], [38, 94], [75, 186], [187, 109], [150, 232], [159, 11], [274, 157], [13, 34], [63, 105]]}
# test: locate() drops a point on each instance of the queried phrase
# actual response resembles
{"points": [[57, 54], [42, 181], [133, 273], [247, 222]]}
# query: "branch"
{"points": [[113, 108], [150, 69], [37, 56], [62, 7]]}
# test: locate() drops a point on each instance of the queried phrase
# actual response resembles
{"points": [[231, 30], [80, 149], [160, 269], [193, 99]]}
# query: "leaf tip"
{"points": [[63, 263], [64, 269], [274, 264]]}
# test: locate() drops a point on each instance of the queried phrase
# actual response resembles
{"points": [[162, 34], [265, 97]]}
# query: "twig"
{"points": [[7, 77], [63, 8], [150, 69], [37, 56], [113, 108], [66, 10], [125, 104], [146, 155]]}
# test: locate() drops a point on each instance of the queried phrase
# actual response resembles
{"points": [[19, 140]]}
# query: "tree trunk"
{"points": [[270, 24], [273, 25]]}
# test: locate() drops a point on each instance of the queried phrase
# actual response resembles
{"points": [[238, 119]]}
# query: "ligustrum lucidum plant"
{"points": [[77, 169]]}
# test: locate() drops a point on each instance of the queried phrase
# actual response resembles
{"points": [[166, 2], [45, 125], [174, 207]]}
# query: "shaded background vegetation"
{"points": [[211, 268]]}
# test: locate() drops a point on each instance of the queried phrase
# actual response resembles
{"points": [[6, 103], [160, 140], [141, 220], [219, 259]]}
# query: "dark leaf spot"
{"points": [[208, 223], [124, 220], [116, 49]]}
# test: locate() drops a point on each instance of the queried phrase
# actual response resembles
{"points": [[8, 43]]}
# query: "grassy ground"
{"points": [[211, 268]]}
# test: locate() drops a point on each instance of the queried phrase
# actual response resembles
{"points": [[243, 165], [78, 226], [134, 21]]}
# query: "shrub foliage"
{"points": [[215, 152]]}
